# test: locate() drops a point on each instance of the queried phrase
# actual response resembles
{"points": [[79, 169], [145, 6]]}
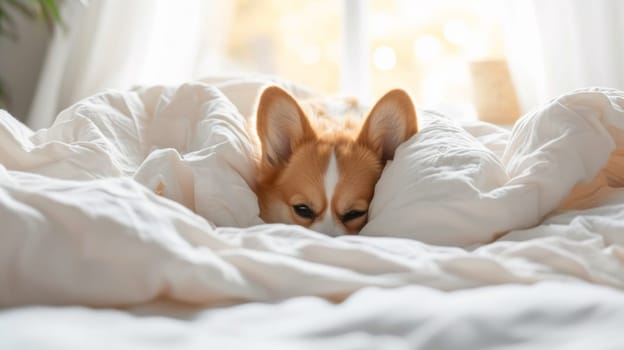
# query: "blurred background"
{"points": [[486, 59]]}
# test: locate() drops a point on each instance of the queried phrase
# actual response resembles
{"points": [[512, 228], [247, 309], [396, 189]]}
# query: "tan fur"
{"points": [[296, 149]]}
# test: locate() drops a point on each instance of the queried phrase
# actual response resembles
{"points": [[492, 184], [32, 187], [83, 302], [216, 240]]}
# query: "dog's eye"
{"points": [[353, 214], [304, 211]]}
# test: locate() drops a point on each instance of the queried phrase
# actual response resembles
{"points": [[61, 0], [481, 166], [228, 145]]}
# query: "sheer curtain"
{"points": [[119, 44], [559, 45], [552, 47]]}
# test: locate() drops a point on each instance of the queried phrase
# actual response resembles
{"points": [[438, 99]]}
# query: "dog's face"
{"points": [[325, 178]]}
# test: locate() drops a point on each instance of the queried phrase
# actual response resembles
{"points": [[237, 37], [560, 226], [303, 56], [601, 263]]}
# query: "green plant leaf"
{"points": [[52, 9], [47, 10], [31, 9], [50, 13]]}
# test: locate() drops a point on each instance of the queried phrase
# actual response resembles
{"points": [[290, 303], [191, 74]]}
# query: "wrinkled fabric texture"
{"points": [[543, 316], [138, 195]]}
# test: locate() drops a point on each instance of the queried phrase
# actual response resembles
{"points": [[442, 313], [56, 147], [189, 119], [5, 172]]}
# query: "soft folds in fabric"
{"points": [[188, 143], [76, 228], [446, 187], [440, 183]]}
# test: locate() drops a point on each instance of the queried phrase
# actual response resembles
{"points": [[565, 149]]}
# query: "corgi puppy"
{"points": [[319, 172]]}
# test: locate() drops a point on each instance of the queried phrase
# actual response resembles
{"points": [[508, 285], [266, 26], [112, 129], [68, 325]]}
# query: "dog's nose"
{"points": [[329, 227]]}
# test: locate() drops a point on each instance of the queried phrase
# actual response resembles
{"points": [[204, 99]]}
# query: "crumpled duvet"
{"points": [[137, 195]]}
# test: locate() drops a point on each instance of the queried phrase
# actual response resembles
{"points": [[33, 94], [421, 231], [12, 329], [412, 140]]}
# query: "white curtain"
{"points": [[119, 44], [556, 46], [553, 46]]}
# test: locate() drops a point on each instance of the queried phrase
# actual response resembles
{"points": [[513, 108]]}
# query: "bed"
{"points": [[130, 223]]}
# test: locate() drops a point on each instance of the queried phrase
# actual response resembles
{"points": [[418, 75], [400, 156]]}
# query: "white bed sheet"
{"points": [[127, 199], [543, 316]]}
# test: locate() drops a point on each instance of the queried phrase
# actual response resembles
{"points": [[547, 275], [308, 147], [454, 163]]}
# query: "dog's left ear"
{"points": [[281, 125], [391, 122]]}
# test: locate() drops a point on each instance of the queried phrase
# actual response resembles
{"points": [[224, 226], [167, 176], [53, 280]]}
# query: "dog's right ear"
{"points": [[391, 122], [281, 125]]}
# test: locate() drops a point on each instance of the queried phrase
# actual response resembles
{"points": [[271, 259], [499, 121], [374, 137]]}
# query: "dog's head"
{"points": [[325, 179]]}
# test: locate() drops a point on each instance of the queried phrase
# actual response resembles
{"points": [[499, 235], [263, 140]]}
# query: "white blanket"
{"points": [[129, 195], [543, 316]]}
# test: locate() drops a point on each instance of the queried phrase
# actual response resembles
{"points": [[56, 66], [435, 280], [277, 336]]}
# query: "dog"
{"points": [[320, 172]]}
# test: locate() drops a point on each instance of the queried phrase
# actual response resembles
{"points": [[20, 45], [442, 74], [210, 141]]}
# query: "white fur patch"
{"points": [[331, 177], [327, 224]]}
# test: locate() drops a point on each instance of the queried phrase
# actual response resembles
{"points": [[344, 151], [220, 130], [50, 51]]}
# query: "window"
{"points": [[298, 40], [363, 48], [427, 47]]}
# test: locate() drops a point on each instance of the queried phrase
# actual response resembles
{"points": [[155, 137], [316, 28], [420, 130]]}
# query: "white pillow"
{"points": [[439, 184]]}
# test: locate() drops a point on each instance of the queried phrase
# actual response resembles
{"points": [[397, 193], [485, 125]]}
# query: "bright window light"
{"points": [[423, 46], [310, 54], [427, 48], [384, 58], [456, 32]]}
